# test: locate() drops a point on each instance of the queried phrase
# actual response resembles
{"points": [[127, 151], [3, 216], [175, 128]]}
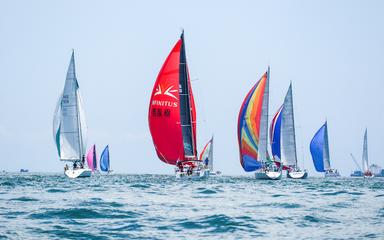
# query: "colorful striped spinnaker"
{"points": [[252, 128]]}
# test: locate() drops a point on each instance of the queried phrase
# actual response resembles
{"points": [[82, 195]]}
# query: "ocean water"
{"points": [[51, 206]]}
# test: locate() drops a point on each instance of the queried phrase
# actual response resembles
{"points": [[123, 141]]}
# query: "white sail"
{"points": [[263, 132], [365, 152], [326, 160], [83, 123], [210, 156], [69, 121], [288, 139], [207, 154]]}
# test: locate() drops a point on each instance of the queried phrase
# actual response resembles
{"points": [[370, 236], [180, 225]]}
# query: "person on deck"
{"points": [[179, 165]]}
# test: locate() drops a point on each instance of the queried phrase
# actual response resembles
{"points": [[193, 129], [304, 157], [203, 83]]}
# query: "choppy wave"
{"points": [[159, 207]]}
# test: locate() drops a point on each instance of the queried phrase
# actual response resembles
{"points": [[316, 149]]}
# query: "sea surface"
{"points": [[51, 206]]}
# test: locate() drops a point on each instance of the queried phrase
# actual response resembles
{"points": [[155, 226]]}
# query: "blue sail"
{"points": [[317, 148], [275, 133], [104, 160]]}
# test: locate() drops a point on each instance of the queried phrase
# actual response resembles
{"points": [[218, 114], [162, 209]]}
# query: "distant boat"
{"points": [[172, 116], [366, 171], [283, 138], [69, 126], [320, 152], [252, 132], [207, 157], [105, 164], [92, 158], [24, 170], [376, 170], [380, 174], [359, 172]]}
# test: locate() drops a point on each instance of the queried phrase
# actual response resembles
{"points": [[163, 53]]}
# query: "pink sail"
{"points": [[91, 158]]}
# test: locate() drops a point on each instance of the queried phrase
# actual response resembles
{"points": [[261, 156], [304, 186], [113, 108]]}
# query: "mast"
{"points": [[186, 116], [263, 144], [365, 152], [77, 107]]}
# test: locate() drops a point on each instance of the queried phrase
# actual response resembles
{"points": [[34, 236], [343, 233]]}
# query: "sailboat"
{"points": [[320, 152], [207, 157], [92, 158], [283, 138], [252, 132], [366, 171], [105, 165], [69, 126], [172, 116]]}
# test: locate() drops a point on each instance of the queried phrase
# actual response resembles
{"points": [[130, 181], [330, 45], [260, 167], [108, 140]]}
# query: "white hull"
{"points": [[78, 173], [266, 175], [297, 174], [195, 174], [372, 176]]}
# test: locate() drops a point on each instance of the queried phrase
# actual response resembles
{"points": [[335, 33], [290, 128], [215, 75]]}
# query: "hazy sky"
{"points": [[332, 51]]}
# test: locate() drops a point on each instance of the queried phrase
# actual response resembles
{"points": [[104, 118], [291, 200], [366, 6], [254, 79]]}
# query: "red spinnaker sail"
{"points": [[164, 110]]}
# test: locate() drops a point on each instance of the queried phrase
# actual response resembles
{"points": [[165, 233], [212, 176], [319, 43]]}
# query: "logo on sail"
{"points": [[169, 91]]}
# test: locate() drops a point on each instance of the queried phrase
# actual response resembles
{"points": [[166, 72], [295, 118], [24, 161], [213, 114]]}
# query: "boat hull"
{"points": [[78, 173], [357, 173], [264, 175], [215, 174], [331, 174], [196, 174], [297, 174]]}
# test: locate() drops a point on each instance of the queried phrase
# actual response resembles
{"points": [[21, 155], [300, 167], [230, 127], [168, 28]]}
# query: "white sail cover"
{"points": [[263, 132], [365, 152], [326, 160], [288, 139], [69, 125]]}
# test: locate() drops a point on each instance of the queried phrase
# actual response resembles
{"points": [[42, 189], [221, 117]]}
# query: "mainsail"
{"points": [[288, 139], [92, 158], [69, 127], [172, 111], [104, 160], [365, 153], [207, 154], [252, 127], [320, 149]]}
